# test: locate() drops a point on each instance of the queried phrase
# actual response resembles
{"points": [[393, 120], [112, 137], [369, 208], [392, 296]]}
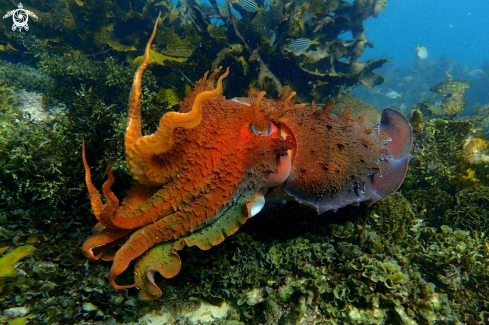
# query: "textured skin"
{"points": [[197, 176]]}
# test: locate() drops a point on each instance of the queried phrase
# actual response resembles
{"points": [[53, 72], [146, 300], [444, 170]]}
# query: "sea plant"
{"points": [[8, 261]]}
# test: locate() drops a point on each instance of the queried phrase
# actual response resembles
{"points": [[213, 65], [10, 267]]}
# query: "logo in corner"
{"points": [[20, 17]]}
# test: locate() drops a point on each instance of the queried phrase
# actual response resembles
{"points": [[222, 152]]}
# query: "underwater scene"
{"points": [[236, 162]]}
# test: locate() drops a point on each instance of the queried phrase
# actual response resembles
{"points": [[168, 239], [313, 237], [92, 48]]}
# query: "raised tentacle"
{"points": [[112, 202], [141, 158], [133, 130]]}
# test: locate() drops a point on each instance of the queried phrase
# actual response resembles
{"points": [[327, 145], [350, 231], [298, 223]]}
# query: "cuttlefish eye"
{"points": [[261, 130]]}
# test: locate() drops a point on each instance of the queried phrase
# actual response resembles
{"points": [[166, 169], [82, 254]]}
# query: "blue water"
{"points": [[454, 28]]}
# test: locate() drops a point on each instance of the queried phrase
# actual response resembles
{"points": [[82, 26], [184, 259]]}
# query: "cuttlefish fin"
{"points": [[394, 167], [382, 181]]}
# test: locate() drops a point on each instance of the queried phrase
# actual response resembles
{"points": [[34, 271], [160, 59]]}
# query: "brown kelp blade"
{"points": [[370, 188], [164, 259]]}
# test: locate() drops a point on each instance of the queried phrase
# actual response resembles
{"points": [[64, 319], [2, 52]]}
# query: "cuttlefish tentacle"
{"points": [[133, 130], [140, 151], [102, 211], [165, 200], [219, 188], [194, 216], [141, 157], [95, 198], [101, 239], [187, 219], [261, 125]]}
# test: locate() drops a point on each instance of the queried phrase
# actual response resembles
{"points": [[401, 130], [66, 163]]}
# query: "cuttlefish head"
{"points": [[336, 160]]}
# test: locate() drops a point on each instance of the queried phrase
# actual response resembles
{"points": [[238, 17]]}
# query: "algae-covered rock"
{"points": [[429, 205]]}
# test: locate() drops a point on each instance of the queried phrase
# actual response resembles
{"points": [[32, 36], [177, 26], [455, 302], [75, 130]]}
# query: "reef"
{"points": [[450, 152], [438, 153]]}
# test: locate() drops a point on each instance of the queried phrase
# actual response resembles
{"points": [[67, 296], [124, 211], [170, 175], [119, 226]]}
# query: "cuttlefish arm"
{"points": [[140, 150], [140, 153], [133, 129], [163, 258]]}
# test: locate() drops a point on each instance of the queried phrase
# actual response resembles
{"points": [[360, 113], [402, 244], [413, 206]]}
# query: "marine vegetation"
{"points": [[256, 44], [206, 170], [471, 210], [8, 261], [450, 152]]}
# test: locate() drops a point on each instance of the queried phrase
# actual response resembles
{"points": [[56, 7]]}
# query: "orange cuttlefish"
{"points": [[210, 166]]}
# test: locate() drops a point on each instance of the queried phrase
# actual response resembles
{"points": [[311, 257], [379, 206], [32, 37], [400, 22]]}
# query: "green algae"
{"points": [[437, 157], [10, 108], [471, 211], [8, 261], [310, 269]]}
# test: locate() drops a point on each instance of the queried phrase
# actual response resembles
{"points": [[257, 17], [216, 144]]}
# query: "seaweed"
{"points": [[438, 155], [7, 262], [471, 211], [193, 36]]}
